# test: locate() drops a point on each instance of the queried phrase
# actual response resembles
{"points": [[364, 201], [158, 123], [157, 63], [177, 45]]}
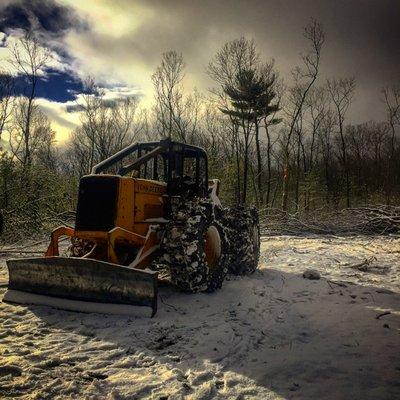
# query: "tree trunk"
{"points": [[390, 176], [268, 194], [344, 156], [238, 180], [259, 162], [297, 190], [245, 168], [285, 186]]}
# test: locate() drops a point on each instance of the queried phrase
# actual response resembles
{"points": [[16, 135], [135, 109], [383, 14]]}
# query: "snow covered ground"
{"points": [[272, 335]]}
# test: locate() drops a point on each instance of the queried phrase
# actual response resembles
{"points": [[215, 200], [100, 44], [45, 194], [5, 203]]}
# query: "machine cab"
{"points": [[182, 167]]}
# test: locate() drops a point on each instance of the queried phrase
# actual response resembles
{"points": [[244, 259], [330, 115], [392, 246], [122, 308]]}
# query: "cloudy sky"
{"points": [[119, 43]]}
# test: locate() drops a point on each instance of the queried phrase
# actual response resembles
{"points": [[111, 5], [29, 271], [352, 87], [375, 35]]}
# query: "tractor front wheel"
{"points": [[195, 247]]}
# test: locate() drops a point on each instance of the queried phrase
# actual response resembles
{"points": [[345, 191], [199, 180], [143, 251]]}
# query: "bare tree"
{"points": [[317, 107], [176, 113], [326, 143], [41, 135], [304, 79], [235, 56], [341, 92], [167, 81], [106, 127], [30, 60], [392, 102], [265, 104]]}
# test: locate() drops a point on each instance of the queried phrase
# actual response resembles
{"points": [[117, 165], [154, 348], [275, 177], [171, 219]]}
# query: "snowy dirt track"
{"points": [[272, 335]]}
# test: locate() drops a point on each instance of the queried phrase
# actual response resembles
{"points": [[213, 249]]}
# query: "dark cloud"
{"points": [[44, 17], [48, 21], [108, 103], [362, 37], [113, 103], [54, 85]]}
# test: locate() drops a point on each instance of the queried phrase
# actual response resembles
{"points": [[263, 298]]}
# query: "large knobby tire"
{"points": [[244, 239], [195, 247]]}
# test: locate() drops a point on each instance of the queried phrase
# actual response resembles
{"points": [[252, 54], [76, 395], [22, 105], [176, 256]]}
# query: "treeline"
{"points": [[274, 143]]}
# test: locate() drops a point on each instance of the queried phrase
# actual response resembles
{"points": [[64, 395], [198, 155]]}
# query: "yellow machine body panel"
{"points": [[125, 203], [136, 205], [148, 203], [139, 201]]}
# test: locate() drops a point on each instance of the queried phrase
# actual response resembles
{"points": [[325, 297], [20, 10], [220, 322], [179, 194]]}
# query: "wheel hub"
{"points": [[212, 246]]}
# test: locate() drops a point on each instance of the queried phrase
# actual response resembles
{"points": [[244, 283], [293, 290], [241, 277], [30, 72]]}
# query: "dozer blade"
{"points": [[83, 280]]}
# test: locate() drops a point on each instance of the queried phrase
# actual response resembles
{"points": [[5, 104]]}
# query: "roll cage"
{"points": [[181, 166]]}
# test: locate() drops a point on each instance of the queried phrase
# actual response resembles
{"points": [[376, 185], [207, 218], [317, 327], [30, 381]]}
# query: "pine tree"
{"points": [[251, 97]]}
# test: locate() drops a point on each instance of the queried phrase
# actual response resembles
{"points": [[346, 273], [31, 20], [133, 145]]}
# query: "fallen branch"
{"points": [[368, 266], [380, 219], [382, 314], [363, 266], [337, 283]]}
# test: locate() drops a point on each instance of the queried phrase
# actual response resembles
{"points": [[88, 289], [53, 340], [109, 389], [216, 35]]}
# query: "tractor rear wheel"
{"points": [[244, 239], [195, 247]]}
